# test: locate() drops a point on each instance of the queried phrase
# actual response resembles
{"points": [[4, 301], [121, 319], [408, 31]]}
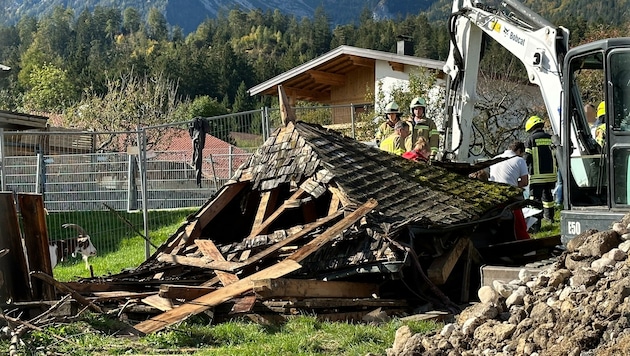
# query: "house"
{"points": [[348, 75]]}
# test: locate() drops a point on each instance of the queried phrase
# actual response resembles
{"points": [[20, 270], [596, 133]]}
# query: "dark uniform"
{"points": [[543, 171]]}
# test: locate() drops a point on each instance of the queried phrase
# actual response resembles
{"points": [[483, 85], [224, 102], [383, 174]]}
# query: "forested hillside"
{"points": [[70, 63], [560, 12], [188, 14]]}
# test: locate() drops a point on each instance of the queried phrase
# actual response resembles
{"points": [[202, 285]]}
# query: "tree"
{"points": [[131, 20], [504, 103], [130, 101], [207, 107], [157, 27], [49, 89]]}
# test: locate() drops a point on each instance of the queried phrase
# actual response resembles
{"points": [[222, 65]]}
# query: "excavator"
{"points": [[596, 178]]}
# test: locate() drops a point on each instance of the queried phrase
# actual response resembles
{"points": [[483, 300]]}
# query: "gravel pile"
{"points": [[578, 306]]}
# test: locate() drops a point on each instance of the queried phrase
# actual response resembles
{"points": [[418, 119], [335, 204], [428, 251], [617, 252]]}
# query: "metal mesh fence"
{"points": [[118, 185]]}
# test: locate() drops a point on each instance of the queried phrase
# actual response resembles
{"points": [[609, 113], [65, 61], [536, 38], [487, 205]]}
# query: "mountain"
{"points": [[188, 14]]}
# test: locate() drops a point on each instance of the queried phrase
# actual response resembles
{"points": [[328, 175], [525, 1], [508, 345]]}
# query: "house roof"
{"points": [[315, 78], [18, 121], [404, 189]]}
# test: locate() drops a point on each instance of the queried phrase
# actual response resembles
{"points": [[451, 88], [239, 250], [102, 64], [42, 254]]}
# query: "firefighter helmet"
{"points": [[416, 102], [601, 109], [533, 121], [392, 108]]}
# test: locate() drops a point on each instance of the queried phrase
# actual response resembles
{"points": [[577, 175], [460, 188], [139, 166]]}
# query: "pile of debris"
{"points": [[579, 306]]}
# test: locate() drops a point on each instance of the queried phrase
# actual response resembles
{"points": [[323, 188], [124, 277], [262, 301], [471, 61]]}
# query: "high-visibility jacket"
{"points": [[426, 127], [600, 134], [384, 130], [540, 159], [395, 144]]}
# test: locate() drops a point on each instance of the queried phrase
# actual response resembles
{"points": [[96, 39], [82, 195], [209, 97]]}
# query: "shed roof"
{"points": [[315, 78], [17, 121], [404, 189]]}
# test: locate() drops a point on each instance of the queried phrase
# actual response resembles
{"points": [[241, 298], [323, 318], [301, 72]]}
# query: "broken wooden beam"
{"points": [[209, 249], [173, 291], [309, 288], [442, 266], [275, 271]]}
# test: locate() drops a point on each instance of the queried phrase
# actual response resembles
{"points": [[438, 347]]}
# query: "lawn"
{"points": [[300, 335], [95, 334]]}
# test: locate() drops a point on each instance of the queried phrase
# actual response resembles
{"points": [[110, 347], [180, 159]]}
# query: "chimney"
{"points": [[404, 45]]}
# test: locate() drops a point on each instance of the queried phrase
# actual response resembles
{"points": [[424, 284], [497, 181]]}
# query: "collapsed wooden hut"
{"points": [[320, 223]]}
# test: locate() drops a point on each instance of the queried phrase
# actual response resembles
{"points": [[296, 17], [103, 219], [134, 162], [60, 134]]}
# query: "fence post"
{"points": [[352, 119], [142, 165], [3, 184], [40, 178], [230, 160], [214, 173]]}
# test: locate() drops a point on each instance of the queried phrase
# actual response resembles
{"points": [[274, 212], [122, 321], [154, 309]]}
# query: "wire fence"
{"points": [[118, 185]]}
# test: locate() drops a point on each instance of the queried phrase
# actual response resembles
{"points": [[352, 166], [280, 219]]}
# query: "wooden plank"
{"points": [[268, 201], [333, 231], [158, 302], [36, 242], [442, 266], [243, 305], [201, 262], [13, 267], [209, 249], [174, 291], [342, 197], [289, 203], [215, 298], [117, 295], [308, 288], [334, 204]]}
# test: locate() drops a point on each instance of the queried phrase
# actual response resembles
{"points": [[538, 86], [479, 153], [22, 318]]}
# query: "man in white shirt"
{"points": [[512, 171]]}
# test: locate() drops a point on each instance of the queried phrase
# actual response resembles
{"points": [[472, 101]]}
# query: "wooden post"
{"points": [[14, 279], [36, 242]]}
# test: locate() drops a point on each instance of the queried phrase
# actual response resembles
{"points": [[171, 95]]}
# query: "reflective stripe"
{"points": [[548, 204]]}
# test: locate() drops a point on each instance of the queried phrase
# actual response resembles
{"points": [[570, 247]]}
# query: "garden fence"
{"points": [[118, 185]]}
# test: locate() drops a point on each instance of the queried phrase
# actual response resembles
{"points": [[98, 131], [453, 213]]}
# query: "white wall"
{"points": [[390, 78]]}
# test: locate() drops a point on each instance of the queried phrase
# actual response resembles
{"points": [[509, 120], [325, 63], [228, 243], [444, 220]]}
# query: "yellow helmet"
{"points": [[533, 121], [601, 109]]}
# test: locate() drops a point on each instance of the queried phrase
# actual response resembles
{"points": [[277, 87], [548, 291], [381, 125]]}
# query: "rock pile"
{"points": [[579, 306]]}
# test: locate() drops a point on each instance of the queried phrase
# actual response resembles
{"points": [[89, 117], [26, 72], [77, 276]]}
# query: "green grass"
{"points": [[549, 229], [125, 249], [300, 335]]}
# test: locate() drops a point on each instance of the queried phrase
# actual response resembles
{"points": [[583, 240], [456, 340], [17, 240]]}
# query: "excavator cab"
{"points": [[596, 175]]}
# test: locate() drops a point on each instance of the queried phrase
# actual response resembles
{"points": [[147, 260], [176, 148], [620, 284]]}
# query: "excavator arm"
{"points": [[538, 44]]}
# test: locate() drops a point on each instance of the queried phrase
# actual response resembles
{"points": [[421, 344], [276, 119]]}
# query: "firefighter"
{"points": [[392, 116], [400, 141], [541, 164], [423, 126], [600, 125]]}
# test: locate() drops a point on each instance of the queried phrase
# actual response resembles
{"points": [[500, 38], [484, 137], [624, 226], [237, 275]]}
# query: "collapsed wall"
{"points": [[578, 306]]}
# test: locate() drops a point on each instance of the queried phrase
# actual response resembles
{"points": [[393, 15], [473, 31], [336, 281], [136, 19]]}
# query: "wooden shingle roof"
{"points": [[403, 188]]}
